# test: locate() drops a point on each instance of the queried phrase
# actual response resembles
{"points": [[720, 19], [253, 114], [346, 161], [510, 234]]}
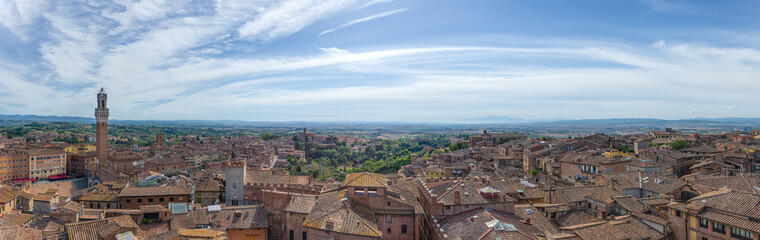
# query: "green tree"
{"points": [[678, 144], [267, 136], [457, 146]]}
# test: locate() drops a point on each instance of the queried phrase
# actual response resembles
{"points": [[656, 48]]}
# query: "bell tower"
{"points": [[101, 131]]}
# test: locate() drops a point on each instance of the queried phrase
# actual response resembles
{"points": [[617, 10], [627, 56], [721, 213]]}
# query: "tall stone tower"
{"points": [[234, 183], [101, 131]]}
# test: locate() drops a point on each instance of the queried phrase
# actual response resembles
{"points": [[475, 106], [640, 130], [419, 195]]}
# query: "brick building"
{"points": [[708, 216], [13, 166], [366, 208], [80, 164], [134, 197], [44, 163]]}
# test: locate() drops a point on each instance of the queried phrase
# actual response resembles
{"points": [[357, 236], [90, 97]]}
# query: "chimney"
{"points": [[457, 198]]}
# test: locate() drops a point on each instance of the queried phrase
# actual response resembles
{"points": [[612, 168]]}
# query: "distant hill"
{"points": [[495, 119], [478, 123], [37, 118]]}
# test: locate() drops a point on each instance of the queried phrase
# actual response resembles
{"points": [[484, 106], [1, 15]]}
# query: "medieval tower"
{"points": [[101, 132]]}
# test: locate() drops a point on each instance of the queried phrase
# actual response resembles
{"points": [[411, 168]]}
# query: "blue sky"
{"points": [[381, 60]]}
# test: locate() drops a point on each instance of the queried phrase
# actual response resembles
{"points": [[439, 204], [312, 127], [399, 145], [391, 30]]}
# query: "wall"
{"points": [[247, 234]]}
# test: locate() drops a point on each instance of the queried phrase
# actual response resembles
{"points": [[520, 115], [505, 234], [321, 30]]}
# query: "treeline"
{"points": [[336, 159]]}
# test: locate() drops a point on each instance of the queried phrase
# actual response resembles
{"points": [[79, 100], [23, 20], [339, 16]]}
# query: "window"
{"points": [[372, 192], [303, 235], [704, 238], [150, 199], [171, 199], [388, 218], [403, 229], [719, 228], [139, 200], [161, 199], [359, 192], [129, 200], [678, 213], [291, 236], [389, 230], [388, 204], [703, 223], [739, 233], [448, 207]]}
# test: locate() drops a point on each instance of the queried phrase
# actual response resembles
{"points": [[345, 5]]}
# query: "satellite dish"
{"points": [[134, 164]]}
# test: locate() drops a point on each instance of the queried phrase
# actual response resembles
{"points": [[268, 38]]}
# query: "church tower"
{"points": [[101, 131]]}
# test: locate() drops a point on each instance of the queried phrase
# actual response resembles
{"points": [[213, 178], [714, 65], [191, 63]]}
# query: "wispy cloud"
{"points": [[289, 17], [229, 59], [361, 20], [373, 2]]}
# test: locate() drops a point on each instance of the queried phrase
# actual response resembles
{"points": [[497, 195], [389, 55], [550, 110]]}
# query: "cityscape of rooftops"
{"points": [[379, 119]]}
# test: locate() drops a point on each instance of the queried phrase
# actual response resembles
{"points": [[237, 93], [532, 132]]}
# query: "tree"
{"points": [[678, 144], [457, 146], [544, 138], [267, 136]]}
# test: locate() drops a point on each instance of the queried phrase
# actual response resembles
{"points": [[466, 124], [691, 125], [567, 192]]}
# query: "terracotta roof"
{"points": [[190, 220], [153, 191], [654, 182], [536, 218], [579, 194], [19, 233], [366, 179], [629, 203], [15, 219], [702, 149], [731, 207], [483, 223], [90, 230], [153, 209], [334, 212], [469, 193], [7, 194], [620, 229], [272, 177], [85, 230], [654, 201], [71, 206], [574, 217], [199, 233], [100, 197], [239, 217], [301, 203], [208, 185]]}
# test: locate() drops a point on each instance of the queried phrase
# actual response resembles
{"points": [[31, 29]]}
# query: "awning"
{"points": [[24, 180], [59, 176]]}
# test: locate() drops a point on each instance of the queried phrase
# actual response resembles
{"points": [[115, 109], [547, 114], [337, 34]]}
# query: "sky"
{"points": [[381, 60]]}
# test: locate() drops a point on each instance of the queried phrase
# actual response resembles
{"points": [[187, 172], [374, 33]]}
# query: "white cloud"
{"points": [[361, 20], [373, 2], [290, 17], [730, 109], [16, 15]]}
